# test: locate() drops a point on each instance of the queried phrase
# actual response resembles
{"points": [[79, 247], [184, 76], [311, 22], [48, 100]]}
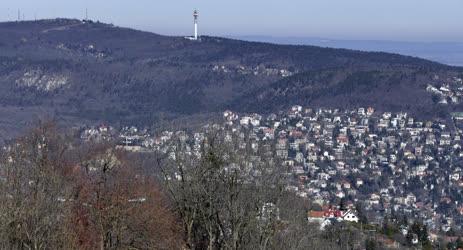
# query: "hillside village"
{"points": [[387, 164]]}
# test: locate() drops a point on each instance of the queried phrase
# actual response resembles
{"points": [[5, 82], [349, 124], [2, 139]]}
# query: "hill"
{"points": [[450, 53], [84, 71]]}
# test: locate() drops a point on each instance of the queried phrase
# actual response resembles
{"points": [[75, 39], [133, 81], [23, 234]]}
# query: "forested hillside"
{"points": [[84, 71]]}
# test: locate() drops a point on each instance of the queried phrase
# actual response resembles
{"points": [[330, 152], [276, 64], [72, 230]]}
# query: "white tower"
{"points": [[196, 15]]}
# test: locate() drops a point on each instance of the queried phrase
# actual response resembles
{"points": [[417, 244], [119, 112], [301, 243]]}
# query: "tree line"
{"points": [[55, 194]]}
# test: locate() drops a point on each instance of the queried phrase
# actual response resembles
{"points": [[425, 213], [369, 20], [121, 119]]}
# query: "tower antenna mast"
{"points": [[196, 15]]}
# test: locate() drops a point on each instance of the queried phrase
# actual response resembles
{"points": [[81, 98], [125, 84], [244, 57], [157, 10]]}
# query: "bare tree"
{"points": [[225, 200], [118, 208], [33, 208]]}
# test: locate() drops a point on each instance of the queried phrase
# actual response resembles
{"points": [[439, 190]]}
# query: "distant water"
{"points": [[444, 52]]}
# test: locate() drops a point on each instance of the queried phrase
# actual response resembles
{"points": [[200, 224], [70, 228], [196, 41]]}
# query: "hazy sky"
{"points": [[405, 20]]}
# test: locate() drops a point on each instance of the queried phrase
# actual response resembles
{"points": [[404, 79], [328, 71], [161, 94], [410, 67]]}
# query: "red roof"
{"points": [[316, 214]]}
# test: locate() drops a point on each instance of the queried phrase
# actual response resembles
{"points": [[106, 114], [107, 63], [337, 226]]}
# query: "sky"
{"points": [[392, 20]]}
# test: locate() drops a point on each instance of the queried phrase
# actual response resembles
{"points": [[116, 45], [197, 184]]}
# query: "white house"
{"points": [[350, 216]]}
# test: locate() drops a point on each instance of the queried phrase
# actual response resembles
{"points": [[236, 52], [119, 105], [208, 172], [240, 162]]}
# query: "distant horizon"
{"points": [[243, 36], [392, 20]]}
